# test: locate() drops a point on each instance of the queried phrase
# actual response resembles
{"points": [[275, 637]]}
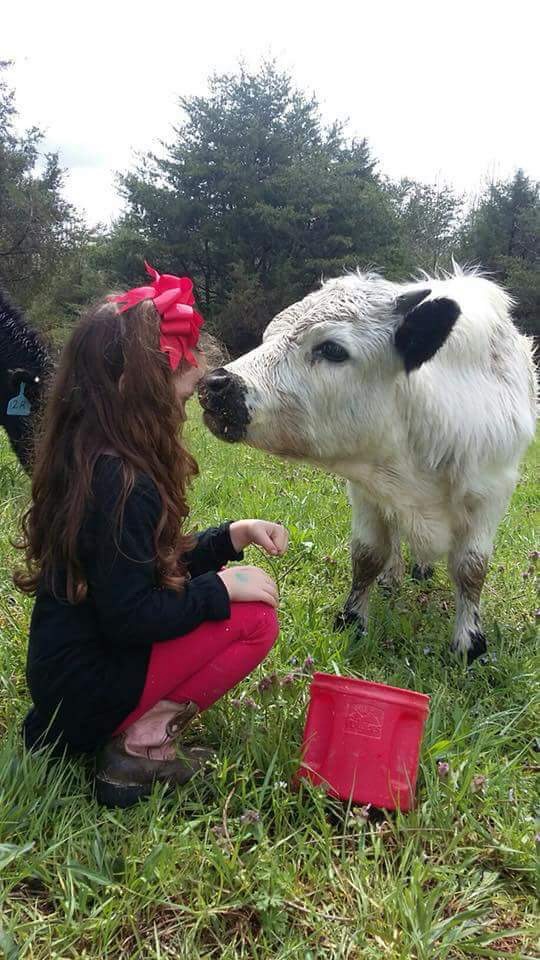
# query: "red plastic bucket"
{"points": [[362, 740]]}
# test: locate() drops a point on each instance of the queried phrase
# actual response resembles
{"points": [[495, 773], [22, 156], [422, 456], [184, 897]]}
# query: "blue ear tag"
{"points": [[19, 406]]}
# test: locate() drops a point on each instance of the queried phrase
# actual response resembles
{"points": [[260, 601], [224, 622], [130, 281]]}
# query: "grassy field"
{"points": [[238, 866]]}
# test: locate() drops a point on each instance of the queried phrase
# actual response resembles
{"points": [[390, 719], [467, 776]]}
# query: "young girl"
{"points": [[137, 626]]}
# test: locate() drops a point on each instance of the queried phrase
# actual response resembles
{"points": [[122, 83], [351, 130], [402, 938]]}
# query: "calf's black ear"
{"points": [[425, 326], [33, 383]]}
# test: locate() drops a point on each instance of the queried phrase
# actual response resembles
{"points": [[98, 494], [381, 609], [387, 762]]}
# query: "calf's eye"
{"points": [[331, 351]]}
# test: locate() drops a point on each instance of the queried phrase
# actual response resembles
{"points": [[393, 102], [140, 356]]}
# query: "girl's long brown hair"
{"points": [[113, 392]]}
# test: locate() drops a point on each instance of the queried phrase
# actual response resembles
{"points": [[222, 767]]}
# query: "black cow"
{"points": [[25, 365]]}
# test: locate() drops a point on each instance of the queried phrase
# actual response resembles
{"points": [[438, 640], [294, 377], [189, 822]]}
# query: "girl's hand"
{"points": [[249, 584], [272, 537]]}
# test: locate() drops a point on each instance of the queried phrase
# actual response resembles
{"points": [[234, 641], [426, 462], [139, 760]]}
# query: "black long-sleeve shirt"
{"points": [[87, 662]]}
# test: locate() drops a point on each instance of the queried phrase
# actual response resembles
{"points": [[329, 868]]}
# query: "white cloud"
{"points": [[440, 90], [92, 192]]}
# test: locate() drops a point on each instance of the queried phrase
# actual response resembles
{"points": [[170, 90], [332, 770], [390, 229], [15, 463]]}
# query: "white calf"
{"points": [[422, 395]]}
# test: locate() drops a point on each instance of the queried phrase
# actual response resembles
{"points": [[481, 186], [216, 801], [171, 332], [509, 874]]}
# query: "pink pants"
{"points": [[206, 663]]}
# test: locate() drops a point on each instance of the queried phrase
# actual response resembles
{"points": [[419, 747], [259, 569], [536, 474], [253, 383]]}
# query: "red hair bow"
{"points": [[173, 299]]}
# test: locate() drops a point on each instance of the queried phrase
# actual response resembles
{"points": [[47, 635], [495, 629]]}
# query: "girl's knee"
{"points": [[272, 624], [260, 624]]}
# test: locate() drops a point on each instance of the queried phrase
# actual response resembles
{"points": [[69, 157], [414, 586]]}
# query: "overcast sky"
{"points": [[444, 91]]}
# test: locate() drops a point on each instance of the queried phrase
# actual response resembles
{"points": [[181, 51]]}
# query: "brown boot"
{"points": [[123, 777]]}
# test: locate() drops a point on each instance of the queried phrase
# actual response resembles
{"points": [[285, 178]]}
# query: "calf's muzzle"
{"points": [[222, 396]]}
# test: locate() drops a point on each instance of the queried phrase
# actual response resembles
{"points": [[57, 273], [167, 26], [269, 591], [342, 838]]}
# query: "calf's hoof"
{"points": [[478, 646], [474, 647], [389, 581], [420, 572]]}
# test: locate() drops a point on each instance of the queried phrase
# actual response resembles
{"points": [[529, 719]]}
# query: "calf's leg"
{"points": [[468, 567], [392, 575], [371, 547], [468, 562]]}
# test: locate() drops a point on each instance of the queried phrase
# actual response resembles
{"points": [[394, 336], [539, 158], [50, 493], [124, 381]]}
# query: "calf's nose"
{"points": [[217, 381]]}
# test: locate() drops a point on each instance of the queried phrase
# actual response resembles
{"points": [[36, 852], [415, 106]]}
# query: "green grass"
{"points": [[186, 876]]}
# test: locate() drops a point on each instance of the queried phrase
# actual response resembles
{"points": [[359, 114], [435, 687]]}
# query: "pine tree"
{"points": [[36, 223], [257, 200], [502, 234]]}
